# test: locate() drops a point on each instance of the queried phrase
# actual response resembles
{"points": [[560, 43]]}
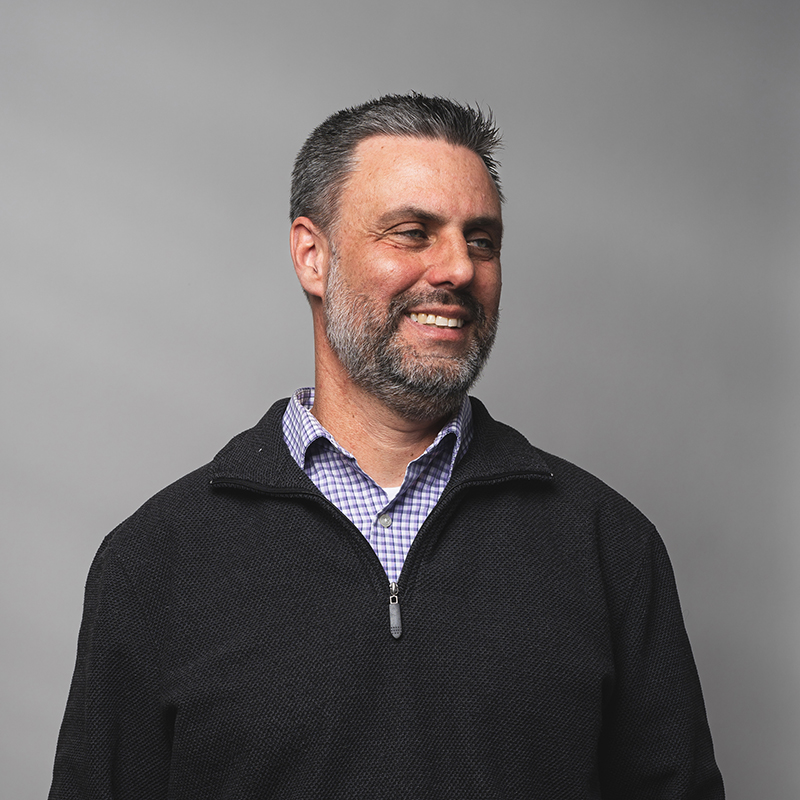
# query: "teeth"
{"points": [[439, 322]]}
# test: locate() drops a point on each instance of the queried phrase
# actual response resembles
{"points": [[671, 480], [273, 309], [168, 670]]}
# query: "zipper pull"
{"points": [[395, 623]]}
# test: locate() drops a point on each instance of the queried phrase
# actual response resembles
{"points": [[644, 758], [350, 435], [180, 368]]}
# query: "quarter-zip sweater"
{"points": [[236, 643]]}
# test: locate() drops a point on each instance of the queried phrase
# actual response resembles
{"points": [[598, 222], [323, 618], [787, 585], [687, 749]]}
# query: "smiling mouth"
{"points": [[437, 321]]}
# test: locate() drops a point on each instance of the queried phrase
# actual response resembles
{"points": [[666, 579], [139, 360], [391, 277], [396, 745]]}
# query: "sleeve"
{"points": [[656, 741], [114, 739]]}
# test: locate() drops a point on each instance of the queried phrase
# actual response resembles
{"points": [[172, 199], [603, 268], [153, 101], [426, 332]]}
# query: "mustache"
{"points": [[463, 299]]}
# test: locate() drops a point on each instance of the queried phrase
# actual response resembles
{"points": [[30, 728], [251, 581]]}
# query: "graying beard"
{"points": [[414, 390]]}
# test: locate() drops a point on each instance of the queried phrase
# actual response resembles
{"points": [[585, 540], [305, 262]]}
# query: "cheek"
{"points": [[383, 274], [487, 290]]}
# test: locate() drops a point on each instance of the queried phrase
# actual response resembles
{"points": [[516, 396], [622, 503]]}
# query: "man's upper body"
{"points": [[379, 590]]}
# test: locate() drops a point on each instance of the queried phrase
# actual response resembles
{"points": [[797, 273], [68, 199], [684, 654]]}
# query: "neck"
{"points": [[382, 441]]}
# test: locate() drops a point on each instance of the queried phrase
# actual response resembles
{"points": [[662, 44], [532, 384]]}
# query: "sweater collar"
{"points": [[259, 456]]}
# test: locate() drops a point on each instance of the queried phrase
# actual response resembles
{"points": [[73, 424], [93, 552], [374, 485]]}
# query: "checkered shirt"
{"points": [[388, 525]]}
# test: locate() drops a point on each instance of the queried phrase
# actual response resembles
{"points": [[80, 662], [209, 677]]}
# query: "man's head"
{"points": [[404, 279], [326, 159]]}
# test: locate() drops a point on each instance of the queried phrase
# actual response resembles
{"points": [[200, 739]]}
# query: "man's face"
{"points": [[413, 287]]}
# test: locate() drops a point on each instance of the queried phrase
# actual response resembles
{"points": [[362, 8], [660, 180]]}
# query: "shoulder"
{"points": [[500, 447], [142, 541], [189, 514], [590, 494], [572, 504]]}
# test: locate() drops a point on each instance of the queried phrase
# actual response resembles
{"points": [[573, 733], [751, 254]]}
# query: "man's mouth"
{"points": [[439, 322]]}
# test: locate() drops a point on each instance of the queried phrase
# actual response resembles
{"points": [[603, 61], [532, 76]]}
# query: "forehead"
{"points": [[399, 170]]}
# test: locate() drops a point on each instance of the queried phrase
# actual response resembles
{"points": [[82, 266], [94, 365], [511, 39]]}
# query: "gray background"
{"points": [[650, 325]]}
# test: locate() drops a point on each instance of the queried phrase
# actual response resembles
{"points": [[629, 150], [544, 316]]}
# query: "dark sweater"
{"points": [[236, 643]]}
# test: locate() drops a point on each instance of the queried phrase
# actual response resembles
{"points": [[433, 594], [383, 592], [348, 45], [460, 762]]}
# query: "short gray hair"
{"points": [[326, 159]]}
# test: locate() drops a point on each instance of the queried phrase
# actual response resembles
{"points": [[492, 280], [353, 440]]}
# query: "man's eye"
{"points": [[482, 242], [413, 233]]}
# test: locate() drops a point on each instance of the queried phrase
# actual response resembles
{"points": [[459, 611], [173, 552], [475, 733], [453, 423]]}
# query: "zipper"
{"points": [[395, 622]]}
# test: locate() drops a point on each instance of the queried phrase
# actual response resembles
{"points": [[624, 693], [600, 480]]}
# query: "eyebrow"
{"points": [[489, 222]]}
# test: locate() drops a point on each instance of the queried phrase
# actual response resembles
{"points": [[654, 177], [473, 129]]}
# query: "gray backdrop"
{"points": [[650, 325]]}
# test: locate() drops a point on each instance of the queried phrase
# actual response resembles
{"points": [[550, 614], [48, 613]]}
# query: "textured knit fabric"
{"points": [[236, 643], [388, 524]]}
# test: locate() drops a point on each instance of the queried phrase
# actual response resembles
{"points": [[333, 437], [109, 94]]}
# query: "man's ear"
{"points": [[310, 252]]}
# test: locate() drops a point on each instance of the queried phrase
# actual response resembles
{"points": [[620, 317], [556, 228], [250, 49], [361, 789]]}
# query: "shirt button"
{"points": [[385, 520]]}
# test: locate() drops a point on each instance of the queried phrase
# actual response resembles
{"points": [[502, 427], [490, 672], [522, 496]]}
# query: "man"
{"points": [[379, 591]]}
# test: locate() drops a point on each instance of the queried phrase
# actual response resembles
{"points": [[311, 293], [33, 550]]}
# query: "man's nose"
{"points": [[450, 263]]}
